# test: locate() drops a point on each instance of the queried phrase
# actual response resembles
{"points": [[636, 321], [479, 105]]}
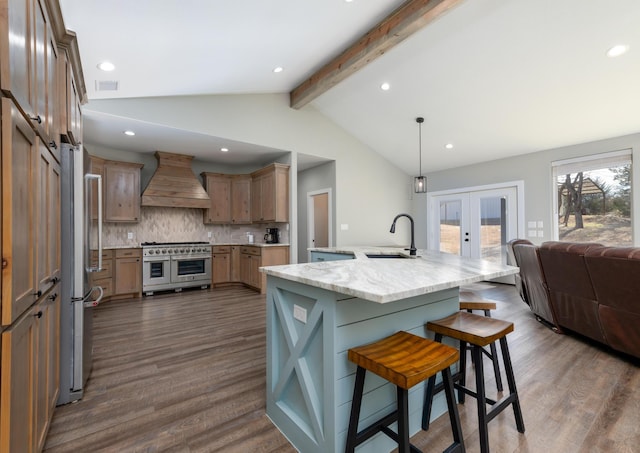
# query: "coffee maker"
{"points": [[272, 236]]}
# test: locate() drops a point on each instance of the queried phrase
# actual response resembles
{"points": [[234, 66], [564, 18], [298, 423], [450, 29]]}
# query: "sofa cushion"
{"points": [[570, 290], [615, 275]]}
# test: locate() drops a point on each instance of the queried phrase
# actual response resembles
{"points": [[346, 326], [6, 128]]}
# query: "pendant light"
{"points": [[420, 182]]}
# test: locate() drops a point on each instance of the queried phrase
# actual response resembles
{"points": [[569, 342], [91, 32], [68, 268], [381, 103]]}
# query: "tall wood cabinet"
{"points": [[35, 51], [270, 194]]}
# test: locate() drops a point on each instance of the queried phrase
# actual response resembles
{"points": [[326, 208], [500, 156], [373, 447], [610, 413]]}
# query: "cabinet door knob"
{"points": [[38, 119], [38, 293], [53, 144], [53, 297], [39, 314]]}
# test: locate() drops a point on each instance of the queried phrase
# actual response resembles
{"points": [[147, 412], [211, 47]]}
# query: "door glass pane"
{"points": [[493, 229], [450, 230]]}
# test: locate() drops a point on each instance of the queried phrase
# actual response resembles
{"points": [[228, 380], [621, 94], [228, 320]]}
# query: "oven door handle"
{"points": [[154, 260]]}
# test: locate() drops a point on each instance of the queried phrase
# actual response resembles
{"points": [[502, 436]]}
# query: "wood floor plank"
{"points": [[186, 373]]}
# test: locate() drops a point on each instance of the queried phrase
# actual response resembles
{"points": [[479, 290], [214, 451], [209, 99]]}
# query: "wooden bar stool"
{"points": [[477, 331], [470, 302], [405, 360]]}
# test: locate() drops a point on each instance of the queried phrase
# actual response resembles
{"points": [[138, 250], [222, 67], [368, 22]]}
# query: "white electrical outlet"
{"points": [[300, 313], [129, 235], [209, 234], [344, 226]]}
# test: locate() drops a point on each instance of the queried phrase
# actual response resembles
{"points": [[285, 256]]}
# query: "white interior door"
{"points": [[474, 223]]}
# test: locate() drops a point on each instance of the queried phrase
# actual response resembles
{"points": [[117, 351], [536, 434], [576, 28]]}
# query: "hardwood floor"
{"points": [[186, 373]]}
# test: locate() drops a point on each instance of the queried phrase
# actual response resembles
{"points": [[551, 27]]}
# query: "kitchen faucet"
{"points": [[412, 249]]}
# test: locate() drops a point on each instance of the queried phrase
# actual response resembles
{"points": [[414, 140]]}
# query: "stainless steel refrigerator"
{"points": [[80, 235]]}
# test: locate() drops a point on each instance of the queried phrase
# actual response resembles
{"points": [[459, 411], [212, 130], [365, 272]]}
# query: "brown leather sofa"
{"points": [[590, 289], [528, 260], [615, 275]]}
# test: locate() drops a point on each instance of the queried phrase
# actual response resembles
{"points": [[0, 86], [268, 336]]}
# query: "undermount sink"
{"points": [[377, 255]]}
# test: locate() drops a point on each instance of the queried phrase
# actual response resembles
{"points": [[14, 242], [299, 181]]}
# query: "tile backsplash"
{"points": [[181, 225]]}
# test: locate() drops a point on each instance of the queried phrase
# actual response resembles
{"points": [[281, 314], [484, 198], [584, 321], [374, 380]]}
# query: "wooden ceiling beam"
{"points": [[395, 28]]}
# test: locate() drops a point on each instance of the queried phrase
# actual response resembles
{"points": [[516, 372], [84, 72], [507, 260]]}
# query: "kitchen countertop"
{"points": [[261, 244], [390, 279], [255, 244]]}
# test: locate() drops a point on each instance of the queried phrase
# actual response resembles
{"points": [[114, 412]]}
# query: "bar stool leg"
{"points": [[403, 420], [454, 416], [511, 382], [355, 410], [463, 369], [483, 430], [428, 399], [494, 359]]}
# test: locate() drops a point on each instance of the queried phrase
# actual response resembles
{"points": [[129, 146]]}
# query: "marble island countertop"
{"points": [[390, 279]]}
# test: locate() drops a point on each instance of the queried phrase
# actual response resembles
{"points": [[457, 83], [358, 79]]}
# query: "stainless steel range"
{"points": [[175, 265]]}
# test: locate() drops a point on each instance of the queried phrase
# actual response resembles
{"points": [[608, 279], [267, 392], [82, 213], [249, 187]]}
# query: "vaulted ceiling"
{"points": [[494, 78]]}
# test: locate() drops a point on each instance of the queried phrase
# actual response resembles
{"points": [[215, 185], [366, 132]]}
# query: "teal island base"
{"points": [[309, 378]]}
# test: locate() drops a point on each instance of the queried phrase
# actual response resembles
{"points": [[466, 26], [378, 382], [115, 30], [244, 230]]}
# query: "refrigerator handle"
{"points": [[93, 303], [88, 177]]}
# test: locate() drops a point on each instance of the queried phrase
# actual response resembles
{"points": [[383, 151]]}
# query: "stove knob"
{"points": [[170, 250], [193, 250], [181, 250], [151, 252], [164, 250]]}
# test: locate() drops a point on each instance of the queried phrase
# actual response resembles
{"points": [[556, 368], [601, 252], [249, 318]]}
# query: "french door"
{"points": [[475, 223]]}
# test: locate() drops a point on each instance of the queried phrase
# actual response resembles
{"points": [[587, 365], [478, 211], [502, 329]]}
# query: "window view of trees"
{"points": [[595, 206]]}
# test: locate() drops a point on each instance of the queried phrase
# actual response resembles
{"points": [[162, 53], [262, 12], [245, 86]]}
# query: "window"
{"points": [[593, 199]]}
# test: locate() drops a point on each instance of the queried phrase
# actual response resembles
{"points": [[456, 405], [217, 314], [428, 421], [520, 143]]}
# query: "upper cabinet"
{"points": [[230, 198], [28, 64], [270, 194], [121, 191]]}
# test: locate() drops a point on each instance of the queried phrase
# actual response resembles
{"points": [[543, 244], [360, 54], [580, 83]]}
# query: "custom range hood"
{"points": [[174, 185]]}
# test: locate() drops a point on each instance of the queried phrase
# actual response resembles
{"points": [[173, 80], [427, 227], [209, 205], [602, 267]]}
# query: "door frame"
{"points": [[311, 217], [431, 205]]}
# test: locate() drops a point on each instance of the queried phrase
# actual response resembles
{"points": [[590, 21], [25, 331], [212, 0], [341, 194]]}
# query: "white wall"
{"points": [[370, 190], [535, 170]]}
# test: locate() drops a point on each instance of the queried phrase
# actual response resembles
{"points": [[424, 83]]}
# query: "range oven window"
{"points": [[156, 269], [190, 267]]}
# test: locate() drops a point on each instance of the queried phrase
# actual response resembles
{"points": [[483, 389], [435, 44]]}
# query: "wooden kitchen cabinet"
{"points": [[32, 42], [249, 265], [28, 65], [19, 163], [254, 257], [48, 220], [270, 194], [240, 199], [29, 386], [218, 187], [230, 198], [235, 263], [128, 272], [221, 269], [70, 110], [104, 278], [121, 191]]}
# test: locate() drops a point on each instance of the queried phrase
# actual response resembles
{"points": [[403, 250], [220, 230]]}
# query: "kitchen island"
{"points": [[317, 311]]}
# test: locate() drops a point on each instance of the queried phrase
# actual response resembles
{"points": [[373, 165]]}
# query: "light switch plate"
{"points": [[129, 235], [300, 313], [344, 226]]}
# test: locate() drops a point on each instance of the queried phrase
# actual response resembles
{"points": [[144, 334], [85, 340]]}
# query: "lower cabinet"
{"points": [[254, 257], [29, 385], [128, 272], [121, 274], [221, 268]]}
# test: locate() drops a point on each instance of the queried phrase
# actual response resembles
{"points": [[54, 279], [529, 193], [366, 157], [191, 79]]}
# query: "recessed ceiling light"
{"points": [[449, 146], [385, 86], [224, 150], [278, 69], [618, 50], [348, 1], [106, 66], [129, 133]]}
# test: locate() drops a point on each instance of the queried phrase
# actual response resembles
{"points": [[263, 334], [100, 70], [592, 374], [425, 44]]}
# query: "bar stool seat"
{"points": [[470, 301], [477, 331], [404, 360]]}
